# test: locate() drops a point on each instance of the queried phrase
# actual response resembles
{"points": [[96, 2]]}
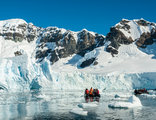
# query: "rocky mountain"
{"points": [[32, 57], [140, 31], [52, 42], [55, 43], [18, 30]]}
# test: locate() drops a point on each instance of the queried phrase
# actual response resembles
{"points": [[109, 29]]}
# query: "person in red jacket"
{"points": [[97, 93], [87, 91]]}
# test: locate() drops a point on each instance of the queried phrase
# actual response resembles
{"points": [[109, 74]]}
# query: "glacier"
{"points": [[132, 68], [21, 73], [17, 75]]}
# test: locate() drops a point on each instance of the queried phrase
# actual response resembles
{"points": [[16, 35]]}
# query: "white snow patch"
{"points": [[63, 30], [75, 34], [135, 30], [12, 22]]}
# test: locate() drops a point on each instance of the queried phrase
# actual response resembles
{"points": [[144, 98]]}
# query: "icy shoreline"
{"points": [[26, 77]]}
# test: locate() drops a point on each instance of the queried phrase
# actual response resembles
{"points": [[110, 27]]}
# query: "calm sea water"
{"points": [[58, 105]]}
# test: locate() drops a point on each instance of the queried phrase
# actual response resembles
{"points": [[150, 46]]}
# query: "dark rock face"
{"points": [[17, 53], [15, 33], [111, 50], [20, 32], [32, 32], [65, 43], [54, 57], [85, 43], [124, 24], [54, 43], [97, 41], [142, 22], [116, 37], [124, 21], [87, 62], [145, 39], [30, 37], [18, 37], [100, 40], [53, 36], [13, 36], [41, 54], [69, 45], [60, 45], [95, 62]]}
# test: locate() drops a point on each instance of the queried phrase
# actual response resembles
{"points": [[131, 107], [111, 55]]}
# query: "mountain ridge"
{"points": [[54, 58], [56, 43]]}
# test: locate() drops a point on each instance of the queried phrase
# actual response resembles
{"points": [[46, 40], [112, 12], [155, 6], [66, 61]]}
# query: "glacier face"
{"points": [[131, 68], [18, 76]]}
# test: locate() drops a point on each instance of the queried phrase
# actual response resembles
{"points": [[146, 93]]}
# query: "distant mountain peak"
{"points": [[126, 32], [55, 43], [12, 22]]}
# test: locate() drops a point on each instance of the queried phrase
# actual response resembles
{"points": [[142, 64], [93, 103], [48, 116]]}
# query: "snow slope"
{"points": [[10, 24], [131, 68], [135, 30]]}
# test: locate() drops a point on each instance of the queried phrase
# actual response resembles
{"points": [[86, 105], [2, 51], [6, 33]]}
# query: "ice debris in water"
{"points": [[79, 111], [149, 96], [133, 101], [43, 96], [88, 105]]}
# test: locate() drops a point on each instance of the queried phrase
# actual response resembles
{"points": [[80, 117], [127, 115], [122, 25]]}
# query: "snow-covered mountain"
{"points": [[51, 58], [142, 32]]}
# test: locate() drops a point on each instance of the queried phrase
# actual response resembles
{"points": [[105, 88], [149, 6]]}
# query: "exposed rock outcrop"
{"points": [[55, 43], [88, 62], [129, 31], [17, 53], [18, 30], [61, 43], [144, 40], [112, 50]]}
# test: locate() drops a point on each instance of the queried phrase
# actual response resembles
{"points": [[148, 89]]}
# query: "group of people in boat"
{"points": [[141, 91], [95, 92], [92, 92]]}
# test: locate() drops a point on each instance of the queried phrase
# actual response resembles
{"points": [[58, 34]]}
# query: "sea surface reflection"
{"points": [[57, 106]]}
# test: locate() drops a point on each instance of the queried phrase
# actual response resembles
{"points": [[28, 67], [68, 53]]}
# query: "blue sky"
{"points": [[94, 15]]}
